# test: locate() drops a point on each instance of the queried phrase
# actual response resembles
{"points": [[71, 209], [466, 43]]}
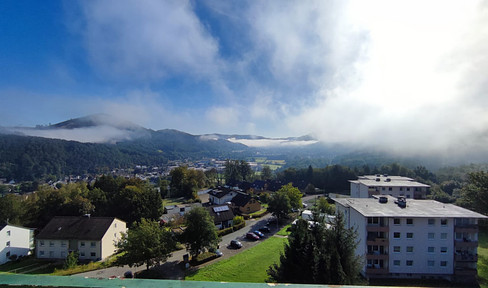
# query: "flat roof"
{"points": [[393, 181], [371, 207]]}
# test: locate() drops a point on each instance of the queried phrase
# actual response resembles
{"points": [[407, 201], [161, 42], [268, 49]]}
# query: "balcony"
{"points": [[377, 228], [466, 257], [465, 272], [379, 256], [377, 241], [376, 271], [466, 228], [465, 244]]}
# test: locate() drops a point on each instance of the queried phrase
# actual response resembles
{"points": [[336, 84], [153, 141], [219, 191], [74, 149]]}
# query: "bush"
{"points": [[238, 220], [203, 257], [225, 231], [239, 226], [71, 260]]}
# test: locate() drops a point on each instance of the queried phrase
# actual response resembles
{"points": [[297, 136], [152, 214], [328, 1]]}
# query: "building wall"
{"points": [[424, 261], [359, 190], [14, 241], [251, 207], [111, 237], [52, 248]]}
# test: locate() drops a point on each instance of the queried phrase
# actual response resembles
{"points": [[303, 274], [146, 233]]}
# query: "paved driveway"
{"points": [[173, 268]]}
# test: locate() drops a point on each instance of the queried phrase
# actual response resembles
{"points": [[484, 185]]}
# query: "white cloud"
{"points": [[149, 40]]}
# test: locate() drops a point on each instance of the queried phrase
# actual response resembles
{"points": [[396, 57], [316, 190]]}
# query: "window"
{"points": [[408, 188], [409, 262], [93, 244], [396, 249], [396, 262], [63, 244], [7, 244], [409, 221], [443, 222], [63, 254], [82, 244], [41, 253], [401, 188], [396, 235], [459, 236], [430, 263], [431, 249], [383, 188], [8, 233], [115, 225], [444, 236], [51, 254], [82, 254], [396, 221], [443, 263], [431, 236], [409, 235], [409, 249], [93, 254], [389, 189], [51, 243], [431, 222], [443, 249], [373, 220], [8, 254], [41, 243]]}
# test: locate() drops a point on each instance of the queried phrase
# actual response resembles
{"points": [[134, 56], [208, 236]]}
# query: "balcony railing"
{"points": [[376, 270], [465, 271], [466, 228], [377, 241], [377, 228], [466, 257], [466, 243], [379, 256]]}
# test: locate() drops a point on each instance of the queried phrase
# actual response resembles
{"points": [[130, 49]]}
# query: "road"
{"points": [[173, 268]]}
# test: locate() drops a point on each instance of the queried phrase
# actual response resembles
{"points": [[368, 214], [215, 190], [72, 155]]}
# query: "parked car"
{"points": [[218, 253], [235, 244], [265, 229], [259, 234], [272, 221], [252, 236], [128, 274]]}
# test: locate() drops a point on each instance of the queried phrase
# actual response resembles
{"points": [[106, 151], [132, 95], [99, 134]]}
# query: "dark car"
{"points": [[218, 253], [265, 229], [259, 234], [272, 221], [235, 244], [128, 274], [252, 236]]}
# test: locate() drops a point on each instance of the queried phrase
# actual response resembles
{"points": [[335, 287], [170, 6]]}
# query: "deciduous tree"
{"points": [[200, 232], [145, 244]]}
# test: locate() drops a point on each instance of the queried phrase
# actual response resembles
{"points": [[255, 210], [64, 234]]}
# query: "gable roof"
{"points": [[222, 215], [220, 192], [241, 199], [70, 228]]}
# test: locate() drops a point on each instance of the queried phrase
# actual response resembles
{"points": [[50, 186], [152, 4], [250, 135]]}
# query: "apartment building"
{"points": [[401, 238], [396, 186], [94, 238], [15, 241]]}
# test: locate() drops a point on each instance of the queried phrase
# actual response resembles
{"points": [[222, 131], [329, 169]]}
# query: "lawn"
{"points": [[248, 266], [483, 257], [283, 231]]}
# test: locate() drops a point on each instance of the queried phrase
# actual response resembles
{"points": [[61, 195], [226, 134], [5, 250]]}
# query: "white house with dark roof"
{"points": [[222, 195], [94, 238], [222, 215], [396, 186], [15, 240], [413, 239]]}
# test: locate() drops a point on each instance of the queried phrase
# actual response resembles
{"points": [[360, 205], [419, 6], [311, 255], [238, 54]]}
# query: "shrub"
{"points": [[203, 257], [238, 220], [71, 260], [225, 231], [239, 226]]}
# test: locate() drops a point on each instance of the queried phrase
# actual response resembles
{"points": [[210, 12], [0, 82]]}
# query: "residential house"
{"points": [[401, 238], [15, 240], [174, 212], [222, 195], [396, 186], [222, 215], [245, 204], [94, 238]]}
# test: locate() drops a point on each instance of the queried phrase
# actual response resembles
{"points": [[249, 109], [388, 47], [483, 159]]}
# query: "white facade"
{"points": [[223, 200], [88, 249], [423, 240], [15, 240], [396, 186]]}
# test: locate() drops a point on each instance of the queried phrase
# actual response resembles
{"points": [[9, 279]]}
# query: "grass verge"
{"points": [[283, 231], [248, 266]]}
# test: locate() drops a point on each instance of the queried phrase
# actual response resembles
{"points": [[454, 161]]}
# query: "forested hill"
{"points": [[25, 158]]}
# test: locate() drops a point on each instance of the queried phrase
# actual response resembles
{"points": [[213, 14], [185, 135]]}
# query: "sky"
{"points": [[407, 76]]}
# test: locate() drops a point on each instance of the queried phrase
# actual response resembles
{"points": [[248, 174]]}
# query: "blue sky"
{"points": [[380, 73]]}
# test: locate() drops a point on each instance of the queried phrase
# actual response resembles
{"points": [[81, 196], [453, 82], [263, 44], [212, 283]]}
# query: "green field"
{"points": [[248, 266], [483, 257]]}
